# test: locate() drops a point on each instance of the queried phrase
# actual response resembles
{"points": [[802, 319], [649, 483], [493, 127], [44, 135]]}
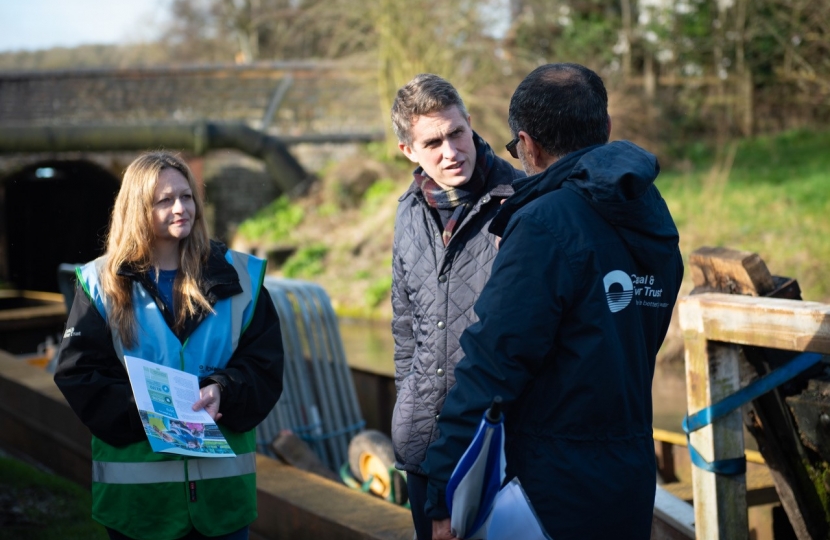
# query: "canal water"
{"points": [[369, 347]]}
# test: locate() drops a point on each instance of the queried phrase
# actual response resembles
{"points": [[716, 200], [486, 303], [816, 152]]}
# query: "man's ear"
{"points": [[534, 154], [407, 151], [609, 126]]}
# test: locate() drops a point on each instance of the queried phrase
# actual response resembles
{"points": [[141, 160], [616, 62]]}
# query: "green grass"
{"points": [[769, 195], [306, 263], [274, 223], [378, 291], [39, 506], [376, 195]]}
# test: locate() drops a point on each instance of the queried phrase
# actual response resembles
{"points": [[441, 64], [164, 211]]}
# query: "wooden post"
{"points": [[712, 324], [768, 418], [712, 373]]}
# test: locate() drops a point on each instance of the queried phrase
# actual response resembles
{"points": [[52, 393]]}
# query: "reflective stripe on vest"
{"points": [[173, 471]]}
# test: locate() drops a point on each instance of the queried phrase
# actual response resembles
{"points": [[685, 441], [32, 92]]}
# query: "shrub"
{"points": [[274, 223], [306, 262], [378, 290], [377, 194]]}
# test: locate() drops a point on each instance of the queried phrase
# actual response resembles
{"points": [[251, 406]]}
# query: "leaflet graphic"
{"points": [[158, 386], [164, 397]]}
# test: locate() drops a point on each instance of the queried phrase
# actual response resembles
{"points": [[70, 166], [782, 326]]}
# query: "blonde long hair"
{"points": [[130, 243]]}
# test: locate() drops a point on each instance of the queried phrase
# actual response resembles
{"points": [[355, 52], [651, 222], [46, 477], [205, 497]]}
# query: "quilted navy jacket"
{"points": [[578, 303], [434, 289]]}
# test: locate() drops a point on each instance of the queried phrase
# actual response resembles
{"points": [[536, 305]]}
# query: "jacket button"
{"points": [[440, 372], [436, 417], [441, 325], [442, 278]]}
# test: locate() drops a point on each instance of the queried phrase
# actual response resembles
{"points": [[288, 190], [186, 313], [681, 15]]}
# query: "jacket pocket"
{"points": [[402, 417]]}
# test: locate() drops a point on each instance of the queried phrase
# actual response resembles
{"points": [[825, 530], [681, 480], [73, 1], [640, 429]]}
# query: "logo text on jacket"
{"points": [[620, 288]]}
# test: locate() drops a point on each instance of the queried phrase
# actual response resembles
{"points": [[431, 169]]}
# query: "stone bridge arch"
{"points": [[250, 133]]}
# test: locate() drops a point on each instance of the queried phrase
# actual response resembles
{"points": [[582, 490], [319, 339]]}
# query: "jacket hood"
{"points": [[617, 180]]}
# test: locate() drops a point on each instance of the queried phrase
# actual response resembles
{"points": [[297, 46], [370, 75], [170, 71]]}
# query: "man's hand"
{"points": [[441, 530], [209, 398]]}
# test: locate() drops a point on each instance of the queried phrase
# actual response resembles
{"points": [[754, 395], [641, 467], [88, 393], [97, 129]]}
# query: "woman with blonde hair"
{"points": [[166, 293]]}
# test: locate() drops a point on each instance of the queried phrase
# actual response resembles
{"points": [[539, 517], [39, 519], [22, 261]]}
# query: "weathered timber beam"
{"points": [[768, 418], [714, 326], [727, 270], [719, 501], [673, 518], [196, 137], [763, 322]]}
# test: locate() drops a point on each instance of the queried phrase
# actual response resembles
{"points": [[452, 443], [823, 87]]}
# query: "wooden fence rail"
{"points": [[714, 326]]}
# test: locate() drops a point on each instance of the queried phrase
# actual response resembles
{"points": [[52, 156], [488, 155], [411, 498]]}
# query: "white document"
{"points": [[513, 516], [165, 397]]}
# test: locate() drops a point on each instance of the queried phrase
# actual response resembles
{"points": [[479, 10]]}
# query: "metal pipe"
{"points": [[196, 137]]}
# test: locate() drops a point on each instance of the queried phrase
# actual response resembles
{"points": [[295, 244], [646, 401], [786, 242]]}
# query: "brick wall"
{"points": [[236, 186]]}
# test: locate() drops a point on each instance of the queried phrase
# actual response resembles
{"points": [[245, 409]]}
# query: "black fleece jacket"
{"points": [[97, 387]]}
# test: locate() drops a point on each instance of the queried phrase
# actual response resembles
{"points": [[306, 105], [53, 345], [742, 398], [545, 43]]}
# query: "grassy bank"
{"points": [[768, 195], [36, 505]]}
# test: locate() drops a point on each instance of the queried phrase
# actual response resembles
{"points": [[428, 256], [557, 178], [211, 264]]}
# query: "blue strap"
{"points": [[706, 416], [725, 467]]}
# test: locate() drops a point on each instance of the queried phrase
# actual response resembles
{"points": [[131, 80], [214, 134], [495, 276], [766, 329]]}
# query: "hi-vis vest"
{"points": [[157, 496]]}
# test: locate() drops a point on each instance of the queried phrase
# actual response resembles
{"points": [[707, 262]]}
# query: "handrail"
{"points": [[712, 324]]}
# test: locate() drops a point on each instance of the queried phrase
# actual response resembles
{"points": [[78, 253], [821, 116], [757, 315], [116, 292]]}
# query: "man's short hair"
{"points": [[425, 94], [563, 107]]}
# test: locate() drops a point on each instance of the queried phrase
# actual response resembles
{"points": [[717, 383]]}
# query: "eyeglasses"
{"points": [[511, 147]]}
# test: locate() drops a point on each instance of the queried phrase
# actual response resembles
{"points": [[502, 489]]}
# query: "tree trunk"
{"points": [[625, 7]]}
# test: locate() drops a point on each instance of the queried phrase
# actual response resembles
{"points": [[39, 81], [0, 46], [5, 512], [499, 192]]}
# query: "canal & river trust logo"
{"points": [[619, 289]]}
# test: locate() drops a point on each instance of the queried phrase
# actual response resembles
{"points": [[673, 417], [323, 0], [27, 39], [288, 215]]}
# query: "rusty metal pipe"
{"points": [[196, 137]]}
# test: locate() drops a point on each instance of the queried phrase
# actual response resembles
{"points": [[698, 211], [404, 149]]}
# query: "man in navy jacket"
{"points": [[577, 306]]}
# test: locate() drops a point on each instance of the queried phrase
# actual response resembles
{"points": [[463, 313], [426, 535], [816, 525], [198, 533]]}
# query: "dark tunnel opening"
{"points": [[56, 212]]}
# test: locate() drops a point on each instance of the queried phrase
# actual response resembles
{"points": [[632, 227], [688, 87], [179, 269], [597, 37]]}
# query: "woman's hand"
{"points": [[209, 398]]}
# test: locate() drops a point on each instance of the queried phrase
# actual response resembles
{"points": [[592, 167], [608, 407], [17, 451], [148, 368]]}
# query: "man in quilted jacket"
{"points": [[441, 259]]}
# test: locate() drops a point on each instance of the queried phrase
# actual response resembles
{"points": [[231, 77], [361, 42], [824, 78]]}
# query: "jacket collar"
{"points": [[532, 187], [219, 278], [218, 281]]}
